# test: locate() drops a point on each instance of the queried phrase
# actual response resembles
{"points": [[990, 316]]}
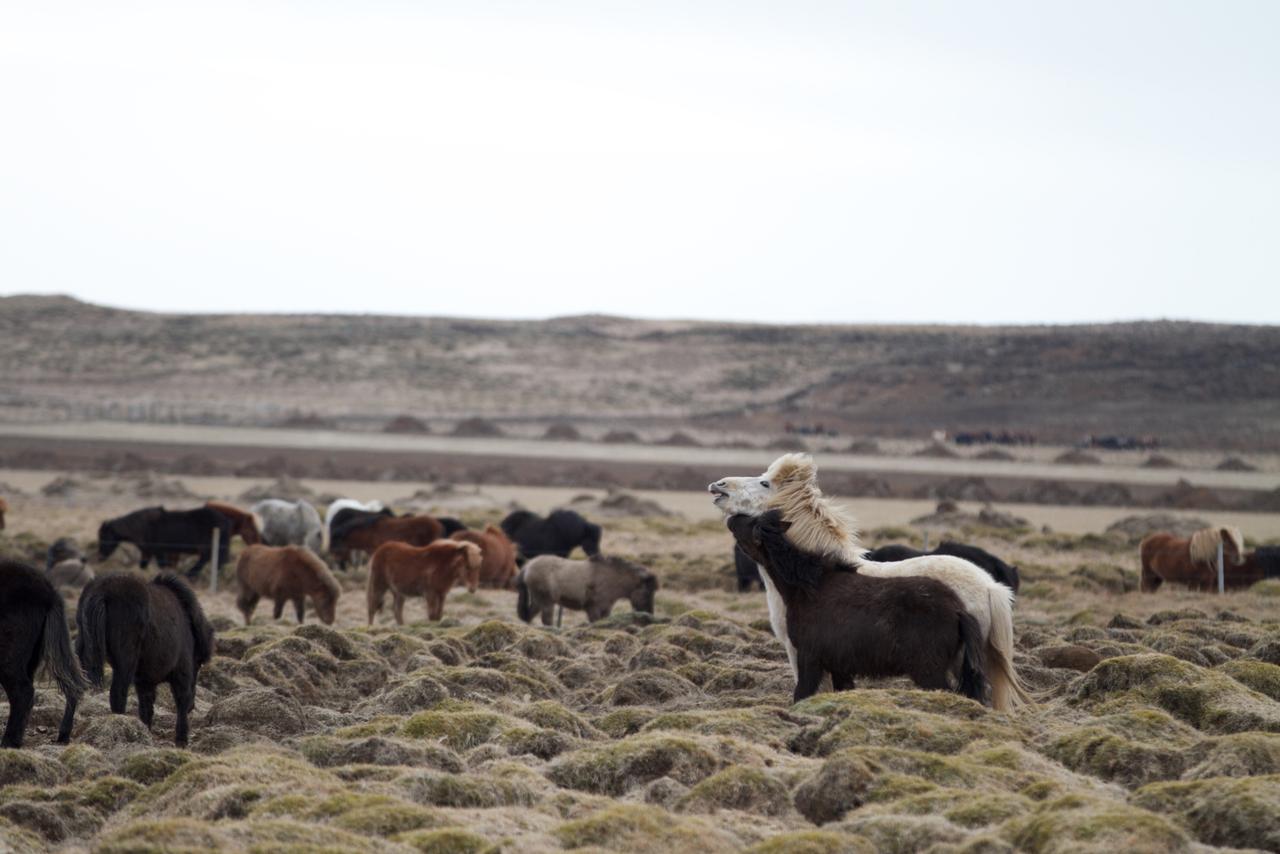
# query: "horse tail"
{"points": [[201, 631], [1006, 689], [376, 587], [524, 608], [57, 652], [973, 665], [91, 633]]}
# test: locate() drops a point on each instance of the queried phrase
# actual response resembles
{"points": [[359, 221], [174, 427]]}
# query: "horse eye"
{"points": [[765, 484]]}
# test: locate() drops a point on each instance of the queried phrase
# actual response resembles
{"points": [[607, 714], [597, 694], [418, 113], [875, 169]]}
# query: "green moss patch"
{"points": [[643, 829], [812, 842], [738, 788], [1086, 825], [616, 768], [918, 720], [448, 840], [1238, 812]]}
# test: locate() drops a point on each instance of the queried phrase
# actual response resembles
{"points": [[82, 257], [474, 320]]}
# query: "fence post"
{"points": [[926, 540], [213, 574], [1221, 579]]}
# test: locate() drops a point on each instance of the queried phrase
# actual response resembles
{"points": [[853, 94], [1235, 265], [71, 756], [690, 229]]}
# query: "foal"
{"points": [[427, 571], [286, 574], [33, 626], [849, 624], [149, 633]]}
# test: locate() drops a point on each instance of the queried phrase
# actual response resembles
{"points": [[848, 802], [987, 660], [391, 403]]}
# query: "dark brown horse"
{"points": [[149, 633], [1191, 561], [1259, 564], [428, 571], [366, 534], [498, 567], [285, 574], [33, 628], [247, 526]]}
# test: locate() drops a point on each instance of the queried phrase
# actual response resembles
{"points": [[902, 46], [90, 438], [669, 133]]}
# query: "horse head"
{"points": [[591, 539], [108, 540], [753, 495], [474, 558], [642, 595]]}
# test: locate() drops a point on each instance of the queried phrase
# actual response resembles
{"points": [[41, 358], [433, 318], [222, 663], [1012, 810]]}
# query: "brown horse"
{"points": [[427, 571], [285, 574], [244, 524], [1190, 561], [367, 534], [498, 567]]}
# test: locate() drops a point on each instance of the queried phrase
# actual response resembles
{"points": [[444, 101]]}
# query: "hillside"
{"points": [[1192, 385]]}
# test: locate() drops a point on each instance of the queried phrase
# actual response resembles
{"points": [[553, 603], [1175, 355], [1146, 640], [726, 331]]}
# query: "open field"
{"points": [[1158, 726]]}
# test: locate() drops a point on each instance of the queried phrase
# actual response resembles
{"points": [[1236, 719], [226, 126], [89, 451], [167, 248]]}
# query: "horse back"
{"points": [[178, 618]]}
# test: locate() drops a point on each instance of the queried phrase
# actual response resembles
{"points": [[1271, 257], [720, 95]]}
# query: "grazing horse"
{"points": [[428, 571], [149, 633], [1258, 564], [368, 534], [167, 535], [1191, 561], [290, 523], [558, 534], [245, 525], [590, 585], [848, 624], [746, 570], [498, 566], [819, 526], [995, 567], [286, 574], [33, 628], [345, 517]]}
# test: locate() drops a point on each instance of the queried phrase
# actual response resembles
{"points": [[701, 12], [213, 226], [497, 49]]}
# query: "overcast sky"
{"points": [[847, 162]]}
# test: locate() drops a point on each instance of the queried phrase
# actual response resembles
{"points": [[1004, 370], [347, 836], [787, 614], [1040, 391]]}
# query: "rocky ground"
{"points": [[1158, 727]]}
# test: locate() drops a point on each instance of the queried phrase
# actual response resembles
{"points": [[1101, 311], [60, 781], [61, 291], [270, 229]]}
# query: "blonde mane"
{"points": [[1204, 543], [817, 525]]}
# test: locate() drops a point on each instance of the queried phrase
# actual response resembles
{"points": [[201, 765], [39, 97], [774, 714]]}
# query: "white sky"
{"points": [[852, 162]]}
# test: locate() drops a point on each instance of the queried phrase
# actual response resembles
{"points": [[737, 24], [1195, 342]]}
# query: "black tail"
{"points": [[973, 666], [91, 633], [201, 631], [58, 657], [524, 610]]}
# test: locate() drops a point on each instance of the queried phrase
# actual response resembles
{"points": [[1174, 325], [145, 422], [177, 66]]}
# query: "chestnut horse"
{"points": [[244, 524], [427, 571], [498, 567], [368, 533], [286, 574], [1190, 561]]}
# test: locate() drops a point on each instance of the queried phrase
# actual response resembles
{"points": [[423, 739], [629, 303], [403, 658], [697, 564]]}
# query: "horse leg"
{"points": [[808, 678], [22, 696], [279, 607], [559, 615], [121, 678], [183, 688], [146, 702], [299, 605], [435, 605], [247, 601], [202, 558], [548, 614], [68, 719], [397, 607], [1150, 580]]}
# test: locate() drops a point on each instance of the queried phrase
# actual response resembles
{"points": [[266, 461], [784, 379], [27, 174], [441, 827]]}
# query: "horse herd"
{"points": [[943, 619]]}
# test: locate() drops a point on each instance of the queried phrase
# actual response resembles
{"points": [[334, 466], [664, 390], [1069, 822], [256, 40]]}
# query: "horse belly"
{"points": [[778, 616]]}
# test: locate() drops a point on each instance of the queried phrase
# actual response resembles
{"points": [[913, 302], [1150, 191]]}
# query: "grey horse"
{"points": [[290, 523], [590, 585]]}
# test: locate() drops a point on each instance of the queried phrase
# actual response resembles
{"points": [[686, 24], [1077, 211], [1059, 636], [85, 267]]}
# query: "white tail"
{"points": [[1007, 692]]}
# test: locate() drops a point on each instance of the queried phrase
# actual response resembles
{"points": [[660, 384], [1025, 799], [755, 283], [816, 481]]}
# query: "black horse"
{"points": [[451, 525], [994, 566], [347, 519], [33, 628], [149, 633], [748, 571], [558, 534], [167, 535]]}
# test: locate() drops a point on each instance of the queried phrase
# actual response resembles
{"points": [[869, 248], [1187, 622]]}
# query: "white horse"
{"points": [[791, 485], [374, 506], [290, 523]]}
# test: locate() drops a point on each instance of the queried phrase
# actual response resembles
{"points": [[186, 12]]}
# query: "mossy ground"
{"points": [[1160, 731]]}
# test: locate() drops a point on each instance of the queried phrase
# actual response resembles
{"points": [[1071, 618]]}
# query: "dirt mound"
{"points": [[152, 485], [1160, 461], [869, 447], [948, 515], [1046, 492], [447, 497], [787, 443], [1268, 502], [679, 439], [406, 424], [562, 432], [8, 490], [477, 428], [936, 450], [1134, 528], [621, 437], [284, 487], [65, 486], [995, 454], [1235, 464], [618, 503], [1186, 495], [307, 421], [1076, 457]]}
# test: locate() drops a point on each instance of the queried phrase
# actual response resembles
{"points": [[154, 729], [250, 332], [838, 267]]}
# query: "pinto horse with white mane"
{"points": [[818, 526]]}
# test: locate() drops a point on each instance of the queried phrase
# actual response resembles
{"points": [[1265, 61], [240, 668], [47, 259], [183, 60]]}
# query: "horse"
{"points": [[286, 574], [451, 525], [592, 585], [746, 570], [1263, 562], [995, 567], [149, 632], [344, 517], [848, 624], [498, 566], [167, 535], [338, 505], [558, 534], [33, 628], [4, 508], [247, 526], [1191, 561], [428, 571], [290, 523], [63, 548], [367, 535], [791, 485]]}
